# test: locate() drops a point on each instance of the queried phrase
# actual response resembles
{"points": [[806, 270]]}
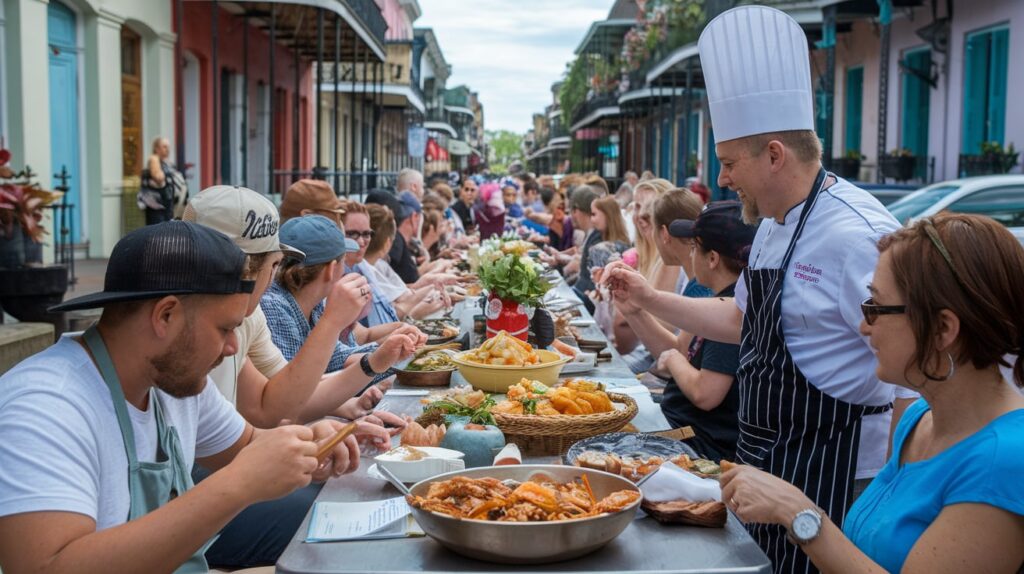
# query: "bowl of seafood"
{"points": [[524, 514], [431, 369], [503, 361]]}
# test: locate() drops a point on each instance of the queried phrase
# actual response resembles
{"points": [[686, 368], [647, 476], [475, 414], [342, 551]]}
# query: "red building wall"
{"points": [[196, 38]]}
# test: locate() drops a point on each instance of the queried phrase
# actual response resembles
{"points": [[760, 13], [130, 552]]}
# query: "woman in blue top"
{"points": [[946, 309]]}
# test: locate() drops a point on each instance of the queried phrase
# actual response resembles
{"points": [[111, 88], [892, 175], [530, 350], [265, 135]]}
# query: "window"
{"points": [[985, 70], [1004, 204], [916, 104], [854, 107]]}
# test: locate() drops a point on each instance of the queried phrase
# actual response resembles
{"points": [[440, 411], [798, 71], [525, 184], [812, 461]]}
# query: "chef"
{"points": [[807, 377]]}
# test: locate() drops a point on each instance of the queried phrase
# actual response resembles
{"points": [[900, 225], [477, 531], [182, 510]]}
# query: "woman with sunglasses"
{"points": [[945, 313]]}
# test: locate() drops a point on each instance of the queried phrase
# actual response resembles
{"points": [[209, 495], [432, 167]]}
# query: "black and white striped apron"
{"points": [[787, 426]]}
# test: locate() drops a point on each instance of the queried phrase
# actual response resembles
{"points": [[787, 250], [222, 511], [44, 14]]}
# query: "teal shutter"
{"points": [[916, 107], [854, 107], [820, 121], [975, 93], [997, 85]]}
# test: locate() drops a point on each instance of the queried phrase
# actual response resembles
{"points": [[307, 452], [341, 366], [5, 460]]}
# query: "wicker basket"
{"points": [[552, 435]]}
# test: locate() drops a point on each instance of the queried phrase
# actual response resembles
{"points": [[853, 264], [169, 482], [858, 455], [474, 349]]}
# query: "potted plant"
{"points": [[27, 287], [848, 166], [21, 211], [898, 164], [992, 160], [514, 288]]}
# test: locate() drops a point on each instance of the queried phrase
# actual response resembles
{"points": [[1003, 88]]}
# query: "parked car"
{"points": [[1000, 197], [888, 192]]}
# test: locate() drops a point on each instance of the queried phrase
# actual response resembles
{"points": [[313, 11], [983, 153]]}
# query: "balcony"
{"points": [[369, 13], [594, 109]]}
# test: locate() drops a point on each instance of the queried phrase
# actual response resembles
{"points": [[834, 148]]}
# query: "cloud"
{"points": [[510, 51]]}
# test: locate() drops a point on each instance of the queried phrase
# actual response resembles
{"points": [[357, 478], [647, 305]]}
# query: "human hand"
{"points": [[276, 462], [757, 496], [667, 359], [627, 285], [400, 344], [344, 458], [347, 298]]}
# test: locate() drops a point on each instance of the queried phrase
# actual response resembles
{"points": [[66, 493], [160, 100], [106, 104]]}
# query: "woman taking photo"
{"points": [[946, 309]]}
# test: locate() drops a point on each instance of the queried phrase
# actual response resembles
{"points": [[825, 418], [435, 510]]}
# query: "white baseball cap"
{"points": [[250, 220]]}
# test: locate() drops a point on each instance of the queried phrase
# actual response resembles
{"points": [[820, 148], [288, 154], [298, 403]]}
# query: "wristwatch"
{"points": [[806, 526], [364, 364]]}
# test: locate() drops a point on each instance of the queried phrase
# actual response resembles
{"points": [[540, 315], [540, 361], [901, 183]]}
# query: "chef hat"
{"points": [[757, 72]]}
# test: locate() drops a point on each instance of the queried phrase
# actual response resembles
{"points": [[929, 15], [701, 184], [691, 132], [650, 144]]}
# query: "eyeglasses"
{"points": [[872, 311], [357, 235]]}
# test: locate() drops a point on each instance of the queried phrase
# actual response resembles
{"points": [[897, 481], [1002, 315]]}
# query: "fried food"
{"points": [[574, 397], [415, 434], [637, 467], [539, 500], [503, 349]]}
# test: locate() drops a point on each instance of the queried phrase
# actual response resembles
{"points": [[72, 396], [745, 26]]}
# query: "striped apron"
{"points": [[787, 426]]}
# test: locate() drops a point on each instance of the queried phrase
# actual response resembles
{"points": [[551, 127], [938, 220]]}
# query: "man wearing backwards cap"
{"points": [[100, 430], [806, 378]]}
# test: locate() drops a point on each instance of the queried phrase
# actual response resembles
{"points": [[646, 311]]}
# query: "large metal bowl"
{"points": [[528, 542]]}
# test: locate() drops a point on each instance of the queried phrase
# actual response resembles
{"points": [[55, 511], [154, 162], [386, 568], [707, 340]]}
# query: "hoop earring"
{"points": [[949, 375]]}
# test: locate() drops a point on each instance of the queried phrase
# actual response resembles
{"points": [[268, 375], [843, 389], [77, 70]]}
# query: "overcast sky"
{"points": [[510, 51]]}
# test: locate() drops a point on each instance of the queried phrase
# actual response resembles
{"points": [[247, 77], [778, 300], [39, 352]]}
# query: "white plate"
{"points": [[582, 322], [438, 461]]}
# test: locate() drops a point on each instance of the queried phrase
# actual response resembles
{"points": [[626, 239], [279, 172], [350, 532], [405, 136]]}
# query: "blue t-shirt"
{"points": [[903, 501]]}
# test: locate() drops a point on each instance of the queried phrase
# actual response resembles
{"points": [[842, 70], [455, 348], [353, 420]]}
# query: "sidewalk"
{"points": [[89, 273]]}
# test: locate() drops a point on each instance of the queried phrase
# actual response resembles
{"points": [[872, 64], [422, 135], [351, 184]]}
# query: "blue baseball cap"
{"points": [[320, 237], [409, 200]]}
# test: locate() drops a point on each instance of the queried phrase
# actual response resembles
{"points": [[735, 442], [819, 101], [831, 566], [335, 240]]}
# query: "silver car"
{"points": [[1000, 197]]}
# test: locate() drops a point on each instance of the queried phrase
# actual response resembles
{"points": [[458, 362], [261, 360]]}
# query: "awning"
{"points": [[553, 145], [679, 55], [595, 116], [441, 127], [459, 147], [393, 95], [608, 32], [459, 110]]}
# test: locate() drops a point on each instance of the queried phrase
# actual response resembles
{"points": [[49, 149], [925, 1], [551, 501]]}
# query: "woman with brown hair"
{"points": [[606, 216], [946, 310]]}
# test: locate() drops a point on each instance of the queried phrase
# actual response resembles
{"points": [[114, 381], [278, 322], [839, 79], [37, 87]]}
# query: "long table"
{"points": [[645, 546]]}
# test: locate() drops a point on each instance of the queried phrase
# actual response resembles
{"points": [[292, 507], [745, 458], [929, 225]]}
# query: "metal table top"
{"points": [[645, 546]]}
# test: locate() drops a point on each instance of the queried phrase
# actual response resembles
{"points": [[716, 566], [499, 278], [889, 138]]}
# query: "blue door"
{"points": [[64, 148]]}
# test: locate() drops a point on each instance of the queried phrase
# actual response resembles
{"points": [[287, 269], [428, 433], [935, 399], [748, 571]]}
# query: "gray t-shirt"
{"points": [[60, 446]]}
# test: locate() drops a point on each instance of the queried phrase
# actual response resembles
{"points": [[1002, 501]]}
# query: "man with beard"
{"points": [[100, 430], [806, 377]]}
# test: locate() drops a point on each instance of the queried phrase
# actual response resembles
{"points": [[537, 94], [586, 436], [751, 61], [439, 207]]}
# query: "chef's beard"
{"points": [[175, 371], [751, 213]]}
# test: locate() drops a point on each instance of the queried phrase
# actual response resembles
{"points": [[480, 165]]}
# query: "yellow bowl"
{"points": [[498, 378]]}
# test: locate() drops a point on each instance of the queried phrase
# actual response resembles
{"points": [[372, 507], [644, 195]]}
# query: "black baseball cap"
{"points": [[171, 258], [387, 199], [719, 227]]}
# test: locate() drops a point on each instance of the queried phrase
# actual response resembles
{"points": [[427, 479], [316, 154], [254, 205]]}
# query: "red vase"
{"points": [[504, 315]]}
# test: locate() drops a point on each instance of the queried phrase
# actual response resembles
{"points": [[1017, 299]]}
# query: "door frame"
{"points": [[81, 220], [193, 154]]}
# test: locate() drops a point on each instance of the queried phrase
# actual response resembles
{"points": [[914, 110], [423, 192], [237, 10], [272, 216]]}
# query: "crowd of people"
{"points": [[864, 376]]}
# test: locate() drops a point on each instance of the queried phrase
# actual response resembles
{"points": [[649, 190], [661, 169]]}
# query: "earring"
{"points": [[949, 375]]}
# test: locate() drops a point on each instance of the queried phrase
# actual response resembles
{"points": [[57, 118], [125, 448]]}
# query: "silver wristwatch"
{"points": [[806, 526]]}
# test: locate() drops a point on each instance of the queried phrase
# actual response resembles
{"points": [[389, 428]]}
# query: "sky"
{"points": [[510, 51]]}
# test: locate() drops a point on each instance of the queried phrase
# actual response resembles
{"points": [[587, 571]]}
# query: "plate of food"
{"points": [[503, 360], [431, 369], [524, 514], [437, 330], [634, 455]]}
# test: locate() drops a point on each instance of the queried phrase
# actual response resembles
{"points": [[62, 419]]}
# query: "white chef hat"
{"points": [[757, 72]]}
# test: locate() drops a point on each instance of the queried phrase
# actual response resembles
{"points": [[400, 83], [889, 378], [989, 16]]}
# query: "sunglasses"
{"points": [[872, 311], [356, 235]]}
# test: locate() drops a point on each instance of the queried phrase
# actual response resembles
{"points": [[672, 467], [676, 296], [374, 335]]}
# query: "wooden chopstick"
{"points": [[335, 440]]}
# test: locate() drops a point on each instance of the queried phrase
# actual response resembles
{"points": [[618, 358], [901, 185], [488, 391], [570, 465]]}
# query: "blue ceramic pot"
{"points": [[479, 443]]}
